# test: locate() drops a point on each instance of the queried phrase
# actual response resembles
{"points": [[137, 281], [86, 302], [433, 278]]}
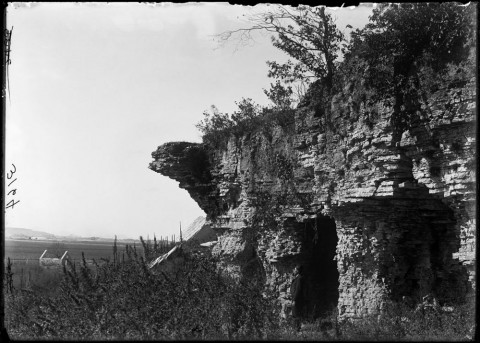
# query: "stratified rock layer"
{"points": [[373, 211]]}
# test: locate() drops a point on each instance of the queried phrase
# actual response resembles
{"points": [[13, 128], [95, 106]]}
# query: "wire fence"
{"points": [[36, 261]]}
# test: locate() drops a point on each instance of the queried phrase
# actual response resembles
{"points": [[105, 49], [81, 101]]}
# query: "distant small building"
{"points": [[52, 262]]}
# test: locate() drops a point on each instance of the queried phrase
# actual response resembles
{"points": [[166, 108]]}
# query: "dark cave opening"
{"points": [[318, 257]]}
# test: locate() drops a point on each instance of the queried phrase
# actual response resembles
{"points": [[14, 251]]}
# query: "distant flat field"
{"points": [[33, 249]]}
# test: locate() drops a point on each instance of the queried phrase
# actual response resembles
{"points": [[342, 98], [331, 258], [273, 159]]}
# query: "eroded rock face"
{"points": [[187, 163], [373, 211]]}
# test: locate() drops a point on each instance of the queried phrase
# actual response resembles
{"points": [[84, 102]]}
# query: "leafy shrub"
{"points": [[217, 127], [280, 95]]}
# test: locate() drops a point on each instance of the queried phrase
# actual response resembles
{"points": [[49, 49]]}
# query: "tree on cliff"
{"points": [[407, 51], [307, 34], [402, 39]]}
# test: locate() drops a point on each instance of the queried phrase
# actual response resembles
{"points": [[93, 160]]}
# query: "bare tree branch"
{"points": [[307, 34]]}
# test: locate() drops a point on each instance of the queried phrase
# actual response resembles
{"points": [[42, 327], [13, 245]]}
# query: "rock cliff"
{"points": [[374, 210]]}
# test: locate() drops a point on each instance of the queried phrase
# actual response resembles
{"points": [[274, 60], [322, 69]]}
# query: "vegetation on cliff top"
{"points": [[405, 52]]}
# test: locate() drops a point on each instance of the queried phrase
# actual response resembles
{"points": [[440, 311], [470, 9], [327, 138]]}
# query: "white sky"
{"points": [[96, 88]]}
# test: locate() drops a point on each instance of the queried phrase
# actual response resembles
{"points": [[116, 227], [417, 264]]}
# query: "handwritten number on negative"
{"points": [[12, 203], [12, 172]]}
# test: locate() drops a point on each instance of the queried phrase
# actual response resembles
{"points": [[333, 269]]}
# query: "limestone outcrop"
{"points": [[374, 210]]}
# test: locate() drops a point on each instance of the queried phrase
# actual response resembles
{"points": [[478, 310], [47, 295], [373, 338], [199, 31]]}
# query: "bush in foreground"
{"points": [[128, 301]]}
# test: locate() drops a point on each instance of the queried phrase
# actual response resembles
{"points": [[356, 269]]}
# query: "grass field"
{"points": [[24, 255], [33, 249]]}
